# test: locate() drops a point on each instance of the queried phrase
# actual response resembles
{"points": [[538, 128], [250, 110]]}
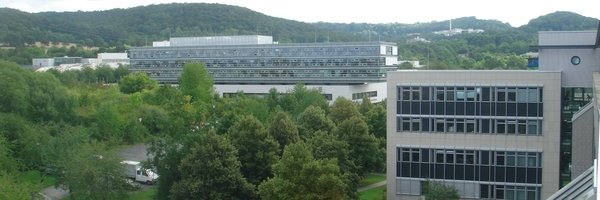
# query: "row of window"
{"points": [[141, 54], [472, 93], [470, 108], [360, 95], [459, 125], [495, 166], [509, 192], [470, 157]]}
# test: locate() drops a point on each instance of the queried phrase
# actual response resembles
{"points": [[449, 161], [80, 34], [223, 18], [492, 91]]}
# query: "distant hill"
{"points": [[500, 45], [561, 21], [395, 31], [141, 25]]}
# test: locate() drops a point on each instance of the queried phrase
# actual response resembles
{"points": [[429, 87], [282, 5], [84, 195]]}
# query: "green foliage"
{"points": [[300, 98], [93, 173], [11, 188], [313, 119], [363, 145], [14, 88], [372, 179], [136, 82], [561, 21], [439, 191], [25, 142], [257, 149], [377, 121], [298, 175], [342, 109], [328, 146], [7, 163], [211, 171], [196, 82], [284, 130]]}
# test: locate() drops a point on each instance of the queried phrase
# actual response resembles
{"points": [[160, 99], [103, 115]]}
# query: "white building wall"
{"points": [[336, 91], [42, 62]]}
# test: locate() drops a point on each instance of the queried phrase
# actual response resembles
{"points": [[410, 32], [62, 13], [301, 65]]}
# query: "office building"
{"points": [[499, 134], [254, 64]]}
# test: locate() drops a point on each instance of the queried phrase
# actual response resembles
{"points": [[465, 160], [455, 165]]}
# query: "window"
{"points": [[439, 94], [450, 94]]}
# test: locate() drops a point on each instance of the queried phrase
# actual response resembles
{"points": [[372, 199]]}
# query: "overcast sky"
{"points": [[515, 12]]}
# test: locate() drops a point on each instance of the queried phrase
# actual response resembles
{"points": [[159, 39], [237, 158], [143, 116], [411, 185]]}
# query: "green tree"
{"points": [[363, 145], [284, 130], [516, 62], [257, 149], [196, 82], [300, 98], [342, 109], [298, 175], [136, 82], [108, 123], [94, 173], [211, 171], [365, 106], [313, 119], [433, 190], [7, 162], [11, 188], [105, 74], [376, 119], [328, 146], [15, 91]]}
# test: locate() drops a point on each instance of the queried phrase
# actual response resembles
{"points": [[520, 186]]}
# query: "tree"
{"points": [[363, 145], [328, 146], [257, 149], [105, 74], [12, 188], [211, 171], [14, 88], [365, 106], [433, 190], [313, 119], [342, 109], [94, 173], [300, 98], [196, 82], [284, 130], [7, 163], [136, 82], [298, 175], [376, 119]]}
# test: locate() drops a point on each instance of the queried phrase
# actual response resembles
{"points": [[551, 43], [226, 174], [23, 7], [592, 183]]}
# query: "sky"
{"points": [[514, 12]]}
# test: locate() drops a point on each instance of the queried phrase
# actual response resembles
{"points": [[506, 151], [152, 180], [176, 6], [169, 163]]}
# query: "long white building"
{"points": [[254, 64]]}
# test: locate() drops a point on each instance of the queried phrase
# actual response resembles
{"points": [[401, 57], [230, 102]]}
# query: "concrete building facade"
{"points": [[256, 64], [474, 130], [490, 134]]}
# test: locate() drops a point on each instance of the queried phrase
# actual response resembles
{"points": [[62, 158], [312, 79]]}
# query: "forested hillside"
{"points": [[140, 25], [500, 46]]}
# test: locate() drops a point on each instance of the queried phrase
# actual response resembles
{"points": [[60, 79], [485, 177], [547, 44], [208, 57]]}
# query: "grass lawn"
{"points": [[143, 194], [371, 178], [36, 180], [377, 193]]}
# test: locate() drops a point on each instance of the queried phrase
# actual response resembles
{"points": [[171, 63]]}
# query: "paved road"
{"points": [[136, 152]]}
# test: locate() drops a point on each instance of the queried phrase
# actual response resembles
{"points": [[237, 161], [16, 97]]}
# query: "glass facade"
{"points": [[500, 174], [334, 63], [512, 110], [573, 99]]}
